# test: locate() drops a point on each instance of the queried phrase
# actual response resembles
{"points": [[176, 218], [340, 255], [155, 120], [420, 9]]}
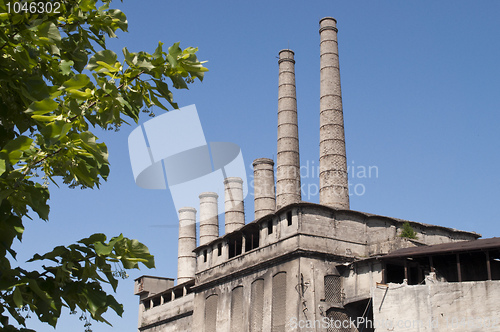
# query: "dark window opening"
{"points": [[178, 292], [235, 245], [289, 218], [414, 276], [495, 264], [252, 240], [167, 297], [473, 266], [362, 312], [395, 273], [255, 240], [147, 304], [445, 267], [219, 249], [156, 301], [238, 243], [270, 227], [205, 256]]}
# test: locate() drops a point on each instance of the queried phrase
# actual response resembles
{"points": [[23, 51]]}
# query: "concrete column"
{"points": [[209, 218], [288, 161], [233, 204], [263, 179], [186, 265], [333, 184]]}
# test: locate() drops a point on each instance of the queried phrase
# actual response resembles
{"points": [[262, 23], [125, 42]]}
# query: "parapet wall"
{"points": [[306, 227], [465, 306]]}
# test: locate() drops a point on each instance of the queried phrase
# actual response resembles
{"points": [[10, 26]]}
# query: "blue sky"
{"points": [[420, 84]]}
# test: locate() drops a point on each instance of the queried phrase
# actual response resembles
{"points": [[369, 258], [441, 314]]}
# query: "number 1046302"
{"points": [[33, 7]]}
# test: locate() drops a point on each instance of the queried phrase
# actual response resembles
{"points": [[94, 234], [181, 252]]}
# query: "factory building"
{"points": [[300, 266]]}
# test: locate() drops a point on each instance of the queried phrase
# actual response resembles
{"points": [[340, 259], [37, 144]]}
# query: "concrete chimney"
{"points": [[209, 218], [233, 204], [333, 184], [288, 161], [186, 265], [263, 179]]}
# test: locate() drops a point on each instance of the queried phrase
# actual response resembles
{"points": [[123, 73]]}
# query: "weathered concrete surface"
{"points": [[333, 183], [467, 306], [147, 285], [359, 279], [209, 217], [287, 158], [173, 316], [186, 265], [263, 183], [233, 204]]}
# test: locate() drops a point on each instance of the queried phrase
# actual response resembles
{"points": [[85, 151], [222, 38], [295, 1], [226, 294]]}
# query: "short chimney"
{"points": [[263, 179], [288, 160], [333, 182], [186, 265], [209, 217], [233, 203]]}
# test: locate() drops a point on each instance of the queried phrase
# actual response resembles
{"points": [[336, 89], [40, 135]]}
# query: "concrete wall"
{"points": [[467, 307], [173, 316], [359, 280], [224, 288], [321, 229]]}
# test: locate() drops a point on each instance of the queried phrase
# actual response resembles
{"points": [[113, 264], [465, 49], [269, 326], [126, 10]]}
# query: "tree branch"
{"points": [[92, 104]]}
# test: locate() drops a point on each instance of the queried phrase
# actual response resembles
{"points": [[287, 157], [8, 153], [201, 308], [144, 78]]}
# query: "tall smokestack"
{"points": [[263, 177], [333, 184], [288, 160], [233, 203], [209, 218], [186, 265]]}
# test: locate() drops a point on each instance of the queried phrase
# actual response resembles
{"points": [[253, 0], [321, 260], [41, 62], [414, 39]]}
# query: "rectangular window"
{"points": [[237, 323], [257, 306], [333, 289], [205, 256], [278, 314], [289, 218], [270, 227], [211, 313], [219, 249]]}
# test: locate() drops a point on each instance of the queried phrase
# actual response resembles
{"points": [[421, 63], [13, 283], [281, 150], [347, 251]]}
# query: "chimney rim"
{"points": [[187, 209], [327, 18], [260, 161], [233, 179], [286, 50], [208, 194]]}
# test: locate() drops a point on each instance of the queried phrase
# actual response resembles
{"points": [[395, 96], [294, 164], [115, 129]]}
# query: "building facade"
{"points": [[301, 266]]}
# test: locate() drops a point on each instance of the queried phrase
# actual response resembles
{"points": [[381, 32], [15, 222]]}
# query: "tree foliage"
{"points": [[58, 81], [408, 232]]}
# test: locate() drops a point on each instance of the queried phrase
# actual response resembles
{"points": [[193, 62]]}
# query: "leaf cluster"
{"points": [[58, 82], [408, 231], [73, 279]]}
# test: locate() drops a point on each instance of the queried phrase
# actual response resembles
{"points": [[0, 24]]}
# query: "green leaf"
{"points": [[108, 67], [119, 19], [143, 64], [16, 147], [42, 107], [48, 34], [98, 237], [65, 66], [18, 297], [2, 166], [106, 56], [76, 82]]}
